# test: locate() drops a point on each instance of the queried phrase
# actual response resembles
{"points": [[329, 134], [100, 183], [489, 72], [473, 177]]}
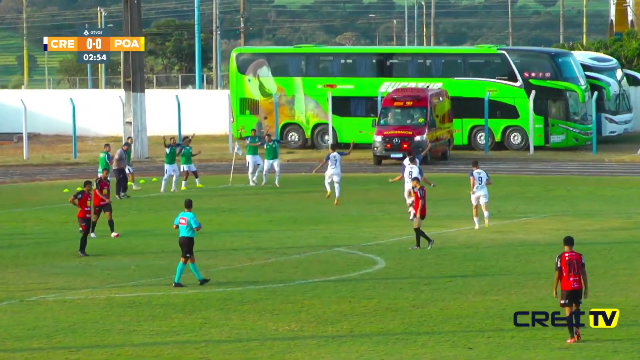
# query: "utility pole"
{"points": [[242, 22], [198, 45], [104, 67], [89, 74], [511, 26], [214, 54], [562, 21], [394, 32], [424, 24], [584, 22], [25, 51], [406, 25], [433, 22], [100, 66], [415, 22]]}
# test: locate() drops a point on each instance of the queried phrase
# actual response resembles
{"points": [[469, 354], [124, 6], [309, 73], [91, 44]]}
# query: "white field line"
{"points": [[379, 265], [344, 249]]}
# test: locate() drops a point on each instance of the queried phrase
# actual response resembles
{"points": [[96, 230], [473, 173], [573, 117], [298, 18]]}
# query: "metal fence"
{"points": [[159, 81]]}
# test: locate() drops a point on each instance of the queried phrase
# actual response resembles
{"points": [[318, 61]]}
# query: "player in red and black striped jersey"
{"points": [[102, 203], [82, 200], [572, 276], [420, 211]]}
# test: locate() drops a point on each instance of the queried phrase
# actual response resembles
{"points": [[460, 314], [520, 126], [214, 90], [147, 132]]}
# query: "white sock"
{"points": [[337, 186], [198, 181], [184, 183], [164, 182], [486, 215], [175, 181], [277, 177], [476, 221], [264, 177], [328, 186], [250, 172], [260, 168]]}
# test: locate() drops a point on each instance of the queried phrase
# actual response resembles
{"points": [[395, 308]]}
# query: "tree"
{"points": [[171, 43], [546, 4], [33, 64]]}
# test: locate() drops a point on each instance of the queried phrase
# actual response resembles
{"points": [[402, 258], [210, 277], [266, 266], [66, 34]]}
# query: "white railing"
{"points": [[158, 81]]}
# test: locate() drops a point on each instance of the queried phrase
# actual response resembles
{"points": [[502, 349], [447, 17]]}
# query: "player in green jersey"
{"points": [[104, 160], [253, 159], [132, 178], [186, 162], [170, 166], [271, 158]]}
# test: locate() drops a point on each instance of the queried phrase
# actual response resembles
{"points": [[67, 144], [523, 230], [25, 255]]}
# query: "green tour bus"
{"points": [[562, 104], [300, 78]]}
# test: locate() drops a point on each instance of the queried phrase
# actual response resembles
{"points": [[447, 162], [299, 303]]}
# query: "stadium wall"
{"points": [[99, 112]]}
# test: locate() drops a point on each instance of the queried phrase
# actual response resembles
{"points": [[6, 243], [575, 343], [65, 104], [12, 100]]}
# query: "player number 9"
{"points": [[479, 180]]}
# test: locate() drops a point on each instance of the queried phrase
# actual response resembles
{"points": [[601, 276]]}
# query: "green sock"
{"points": [[179, 272], [195, 271]]}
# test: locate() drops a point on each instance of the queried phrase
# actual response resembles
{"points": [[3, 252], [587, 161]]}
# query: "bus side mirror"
{"points": [[373, 123]]}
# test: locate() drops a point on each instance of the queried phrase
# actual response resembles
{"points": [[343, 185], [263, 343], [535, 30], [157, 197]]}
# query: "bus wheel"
{"points": [[294, 136], [446, 155], [321, 137], [476, 139], [377, 160], [515, 138]]}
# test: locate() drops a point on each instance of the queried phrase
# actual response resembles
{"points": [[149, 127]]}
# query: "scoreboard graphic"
{"points": [[94, 46]]}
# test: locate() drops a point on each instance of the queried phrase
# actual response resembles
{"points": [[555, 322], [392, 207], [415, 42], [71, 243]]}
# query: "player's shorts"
{"points": [[275, 163], [129, 169], [479, 198], [98, 209], [253, 160], [186, 245], [171, 170], [569, 298], [417, 221], [85, 224], [335, 177], [191, 168], [407, 195]]}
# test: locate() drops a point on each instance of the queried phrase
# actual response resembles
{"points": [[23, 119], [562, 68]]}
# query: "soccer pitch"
{"points": [[295, 277]]}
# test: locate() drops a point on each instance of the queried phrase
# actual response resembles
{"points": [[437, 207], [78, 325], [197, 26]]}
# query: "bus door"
{"points": [[633, 79]]}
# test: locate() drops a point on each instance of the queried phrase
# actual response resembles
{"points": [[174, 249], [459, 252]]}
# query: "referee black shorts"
{"points": [[186, 245]]}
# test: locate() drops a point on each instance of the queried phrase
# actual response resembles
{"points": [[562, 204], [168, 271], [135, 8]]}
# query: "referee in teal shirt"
{"points": [[188, 225]]}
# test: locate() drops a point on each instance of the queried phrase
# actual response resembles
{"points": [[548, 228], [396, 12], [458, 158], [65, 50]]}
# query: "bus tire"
{"points": [[476, 138], [377, 160], [321, 137], [515, 139], [446, 155], [294, 136]]}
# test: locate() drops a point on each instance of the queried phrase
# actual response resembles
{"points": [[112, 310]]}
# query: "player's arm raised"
{"points": [[164, 141], [350, 149]]}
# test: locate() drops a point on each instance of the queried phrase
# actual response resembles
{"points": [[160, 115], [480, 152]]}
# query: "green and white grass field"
{"points": [[295, 277]]}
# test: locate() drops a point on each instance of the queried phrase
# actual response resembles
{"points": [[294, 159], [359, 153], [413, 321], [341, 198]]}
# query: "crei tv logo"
{"points": [[598, 318]]}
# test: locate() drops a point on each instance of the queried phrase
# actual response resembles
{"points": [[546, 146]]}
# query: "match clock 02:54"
{"points": [[93, 57]]}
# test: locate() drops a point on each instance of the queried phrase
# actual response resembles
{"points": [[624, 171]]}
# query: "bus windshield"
{"points": [[543, 66], [395, 116], [612, 72]]}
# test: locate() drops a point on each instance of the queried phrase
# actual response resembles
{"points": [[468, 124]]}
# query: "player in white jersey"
{"points": [[410, 170], [334, 172], [479, 194]]}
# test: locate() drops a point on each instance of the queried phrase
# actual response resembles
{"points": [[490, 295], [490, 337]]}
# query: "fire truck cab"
{"points": [[413, 119]]}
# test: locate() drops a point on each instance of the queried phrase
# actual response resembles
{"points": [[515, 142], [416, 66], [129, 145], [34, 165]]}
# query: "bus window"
{"points": [[286, 65], [490, 66], [321, 65], [363, 66], [432, 120], [444, 66]]}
